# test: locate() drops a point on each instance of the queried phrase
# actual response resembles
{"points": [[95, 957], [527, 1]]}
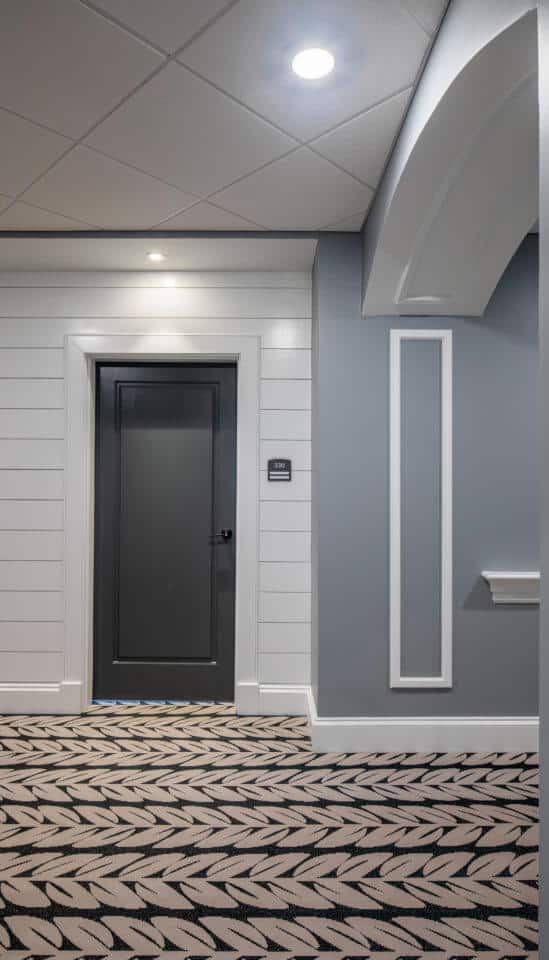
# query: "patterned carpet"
{"points": [[183, 830]]}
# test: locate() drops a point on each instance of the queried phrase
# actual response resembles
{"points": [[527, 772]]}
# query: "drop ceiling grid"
{"points": [[134, 168]]}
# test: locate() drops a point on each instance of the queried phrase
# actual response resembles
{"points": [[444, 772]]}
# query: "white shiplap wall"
{"points": [[36, 312]]}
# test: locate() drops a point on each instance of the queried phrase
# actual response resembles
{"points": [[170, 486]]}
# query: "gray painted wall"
{"points": [[496, 462], [420, 496]]}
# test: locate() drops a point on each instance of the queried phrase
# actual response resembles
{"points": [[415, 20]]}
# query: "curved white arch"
{"points": [[460, 195]]}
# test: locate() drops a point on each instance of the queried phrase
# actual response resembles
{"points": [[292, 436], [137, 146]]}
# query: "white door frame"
{"points": [[81, 352]]}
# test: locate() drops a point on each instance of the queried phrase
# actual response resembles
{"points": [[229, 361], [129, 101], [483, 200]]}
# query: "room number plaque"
{"points": [[279, 469]]}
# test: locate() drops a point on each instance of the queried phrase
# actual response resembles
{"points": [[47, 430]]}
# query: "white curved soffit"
{"points": [[467, 193]]}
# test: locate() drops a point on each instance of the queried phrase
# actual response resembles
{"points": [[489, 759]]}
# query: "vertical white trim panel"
{"points": [[444, 337]]}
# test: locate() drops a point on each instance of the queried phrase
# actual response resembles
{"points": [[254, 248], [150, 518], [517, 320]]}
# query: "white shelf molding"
{"points": [[513, 587], [444, 337]]}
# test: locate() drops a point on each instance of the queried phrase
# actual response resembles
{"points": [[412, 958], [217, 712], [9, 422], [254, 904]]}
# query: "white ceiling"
{"points": [[185, 114]]}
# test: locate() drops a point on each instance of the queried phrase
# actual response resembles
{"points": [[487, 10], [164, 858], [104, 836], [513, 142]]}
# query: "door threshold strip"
{"points": [[132, 703]]}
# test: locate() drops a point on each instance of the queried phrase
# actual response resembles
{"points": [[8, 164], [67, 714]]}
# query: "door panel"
{"points": [[165, 486]]}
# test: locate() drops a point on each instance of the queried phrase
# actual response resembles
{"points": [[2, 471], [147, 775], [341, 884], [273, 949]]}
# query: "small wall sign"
{"points": [[279, 469]]}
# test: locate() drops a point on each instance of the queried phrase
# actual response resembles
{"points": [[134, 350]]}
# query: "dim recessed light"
{"points": [[156, 256], [313, 64]]}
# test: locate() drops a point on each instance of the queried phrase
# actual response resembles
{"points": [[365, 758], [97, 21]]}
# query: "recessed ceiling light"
{"points": [[156, 256], [313, 64]]}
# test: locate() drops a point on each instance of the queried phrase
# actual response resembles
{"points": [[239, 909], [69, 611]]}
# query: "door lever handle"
{"points": [[223, 536]]}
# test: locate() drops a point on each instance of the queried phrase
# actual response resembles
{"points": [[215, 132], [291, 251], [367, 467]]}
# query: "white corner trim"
{"points": [[446, 575], [48, 698], [421, 734], [267, 699], [520, 587], [80, 353]]}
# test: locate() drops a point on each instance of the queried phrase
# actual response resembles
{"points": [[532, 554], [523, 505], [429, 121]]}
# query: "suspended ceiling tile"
{"points": [[362, 145], [299, 192], [65, 66], [27, 151], [182, 130], [204, 216], [166, 23], [5, 201], [21, 216], [103, 192], [350, 224], [377, 44], [427, 12]]}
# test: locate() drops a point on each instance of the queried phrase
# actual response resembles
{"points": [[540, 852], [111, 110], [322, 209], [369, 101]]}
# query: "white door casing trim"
{"points": [[446, 575], [81, 352]]}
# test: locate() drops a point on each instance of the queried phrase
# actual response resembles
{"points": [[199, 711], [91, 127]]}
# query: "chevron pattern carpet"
{"points": [[184, 830]]}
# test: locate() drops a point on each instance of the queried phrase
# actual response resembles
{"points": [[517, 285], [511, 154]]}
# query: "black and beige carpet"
{"points": [[183, 830]]}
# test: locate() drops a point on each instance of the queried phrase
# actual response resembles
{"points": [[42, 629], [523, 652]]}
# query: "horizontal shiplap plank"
{"points": [[285, 515], [284, 667], [286, 364], [145, 302], [285, 425], [32, 454], [33, 636], [298, 451], [31, 484], [46, 424], [266, 280], [298, 488], [285, 395], [288, 334], [31, 362], [34, 394], [276, 332], [31, 575], [275, 547], [285, 607], [31, 545], [284, 637], [31, 514], [29, 334], [285, 577], [31, 605], [19, 667]]}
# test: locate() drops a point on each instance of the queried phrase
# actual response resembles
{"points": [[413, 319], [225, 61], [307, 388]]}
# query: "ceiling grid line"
{"points": [[143, 39], [314, 165]]}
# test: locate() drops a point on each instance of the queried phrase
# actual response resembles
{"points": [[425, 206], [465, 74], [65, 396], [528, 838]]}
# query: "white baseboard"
{"points": [[269, 699], [421, 734], [47, 698], [328, 734]]}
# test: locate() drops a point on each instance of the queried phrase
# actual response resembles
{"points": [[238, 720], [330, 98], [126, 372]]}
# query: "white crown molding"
{"points": [[513, 587], [421, 734]]}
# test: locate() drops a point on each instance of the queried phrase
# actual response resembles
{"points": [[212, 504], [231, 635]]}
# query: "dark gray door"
{"points": [[164, 531]]}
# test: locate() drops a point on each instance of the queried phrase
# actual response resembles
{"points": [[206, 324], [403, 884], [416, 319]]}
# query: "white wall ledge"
{"points": [[513, 587]]}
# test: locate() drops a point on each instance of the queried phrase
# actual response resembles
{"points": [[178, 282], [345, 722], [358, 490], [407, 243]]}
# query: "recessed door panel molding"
{"points": [[440, 583]]}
